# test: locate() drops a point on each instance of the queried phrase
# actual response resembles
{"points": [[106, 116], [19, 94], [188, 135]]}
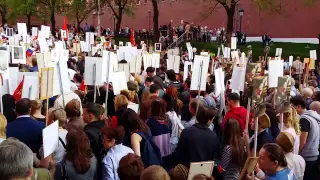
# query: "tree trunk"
{"points": [[4, 15], [53, 21], [118, 23], [230, 14], [28, 22], [78, 25], [155, 20]]}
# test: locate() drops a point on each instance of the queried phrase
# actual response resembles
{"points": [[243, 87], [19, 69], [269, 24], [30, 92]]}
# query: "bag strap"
{"points": [[63, 144]]}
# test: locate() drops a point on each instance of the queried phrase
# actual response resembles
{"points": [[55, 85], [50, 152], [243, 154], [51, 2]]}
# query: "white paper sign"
{"points": [[34, 31], [233, 43], [278, 52], [173, 62], [100, 71], [119, 82], [61, 84], [238, 78], [199, 74], [135, 64], [275, 71], [155, 60], [290, 60], [219, 78], [18, 55], [313, 54], [30, 87], [4, 58], [50, 138]]}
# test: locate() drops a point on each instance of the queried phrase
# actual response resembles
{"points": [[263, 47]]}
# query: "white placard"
{"points": [[30, 87], [50, 137], [186, 69], [313, 54], [290, 60], [60, 84], [275, 71], [135, 64], [46, 31], [218, 54], [205, 168], [4, 58], [55, 55], [233, 43], [18, 55], [22, 29], [204, 54], [226, 52], [34, 31], [155, 60], [278, 52], [190, 52], [238, 78], [63, 34], [100, 72], [199, 75], [219, 78], [119, 82], [173, 62]]}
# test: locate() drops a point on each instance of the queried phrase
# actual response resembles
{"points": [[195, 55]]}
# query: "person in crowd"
{"points": [[112, 140], [274, 128], [34, 64], [81, 164], [291, 125], [120, 104], [202, 177], [145, 105], [130, 167], [315, 106], [159, 126], [208, 100], [3, 125], [198, 143], [130, 95], [273, 162], [235, 150], [179, 172], [295, 162], [193, 111], [25, 128], [309, 138], [36, 107], [60, 116], [156, 79], [81, 95], [171, 75], [264, 136], [148, 82], [155, 173], [236, 111], [174, 120], [173, 91], [307, 94], [9, 108], [74, 115]]}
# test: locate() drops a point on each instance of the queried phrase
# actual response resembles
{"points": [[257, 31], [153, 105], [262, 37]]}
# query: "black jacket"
{"points": [[93, 131], [196, 144]]}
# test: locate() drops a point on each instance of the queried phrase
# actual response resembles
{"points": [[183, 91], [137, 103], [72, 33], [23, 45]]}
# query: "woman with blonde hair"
{"points": [[120, 104], [155, 173], [36, 107], [291, 125], [3, 125]]}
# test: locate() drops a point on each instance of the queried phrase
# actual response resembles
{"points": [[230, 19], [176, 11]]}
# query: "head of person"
{"points": [[233, 100], [130, 167], [315, 106], [73, 109], [150, 71], [172, 91], [58, 115], [78, 150], [170, 102], [232, 136], [187, 84], [120, 102], [193, 106], [179, 172], [129, 94], [171, 75], [290, 119], [3, 125], [286, 141], [158, 108], [263, 122], [36, 106], [155, 173], [16, 160], [23, 107], [138, 79], [112, 136], [133, 86], [205, 115], [154, 89], [201, 177], [135, 123], [148, 82], [91, 112], [271, 158], [307, 92], [209, 89], [299, 103], [34, 62], [211, 79]]}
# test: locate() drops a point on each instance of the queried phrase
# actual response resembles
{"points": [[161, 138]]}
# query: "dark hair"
{"points": [[171, 75], [150, 70], [232, 136], [78, 78], [23, 106], [154, 88], [316, 96], [94, 109], [130, 167], [134, 122], [205, 114], [114, 133], [209, 88], [171, 103], [298, 101], [78, 150], [213, 80], [193, 93], [9, 108], [234, 97], [73, 108], [158, 109], [188, 82], [149, 79], [275, 153]]}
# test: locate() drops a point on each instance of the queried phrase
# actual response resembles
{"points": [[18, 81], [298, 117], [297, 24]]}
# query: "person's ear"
{"points": [[276, 163], [30, 174]]}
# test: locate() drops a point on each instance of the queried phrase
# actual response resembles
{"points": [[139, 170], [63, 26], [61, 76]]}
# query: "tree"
{"points": [[155, 20], [118, 8], [21, 8], [80, 10], [3, 11]]}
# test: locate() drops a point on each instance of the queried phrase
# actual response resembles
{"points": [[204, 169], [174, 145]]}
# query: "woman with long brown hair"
{"points": [[81, 164], [235, 150]]}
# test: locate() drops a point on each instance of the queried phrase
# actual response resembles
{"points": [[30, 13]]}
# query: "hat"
{"points": [[286, 141], [180, 172], [264, 121]]}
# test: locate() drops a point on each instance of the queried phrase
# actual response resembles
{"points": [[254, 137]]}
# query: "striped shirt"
{"points": [[232, 171]]}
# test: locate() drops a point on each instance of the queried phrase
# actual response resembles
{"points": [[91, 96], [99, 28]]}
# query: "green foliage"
{"points": [[80, 9], [20, 8]]}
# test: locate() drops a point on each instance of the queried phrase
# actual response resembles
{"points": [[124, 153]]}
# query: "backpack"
{"points": [[151, 153]]}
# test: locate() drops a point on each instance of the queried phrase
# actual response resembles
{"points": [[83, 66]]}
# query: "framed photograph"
{"points": [[4, 58], [9, 32], [18, 55], [157, 47]]}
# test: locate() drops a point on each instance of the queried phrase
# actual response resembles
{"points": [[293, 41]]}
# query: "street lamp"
{"points": [[149, 13], [241, 11]]}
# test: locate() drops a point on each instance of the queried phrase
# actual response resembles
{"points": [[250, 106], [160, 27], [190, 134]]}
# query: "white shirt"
{"points": [[175, 124], [297, 164], [60, 151]]}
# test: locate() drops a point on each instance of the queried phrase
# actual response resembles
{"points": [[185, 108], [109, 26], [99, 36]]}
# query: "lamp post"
{"points": [[149, 13], [241, 11]]}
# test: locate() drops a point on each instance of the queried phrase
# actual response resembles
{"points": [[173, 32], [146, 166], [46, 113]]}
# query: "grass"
{"points": [[288, 49]]}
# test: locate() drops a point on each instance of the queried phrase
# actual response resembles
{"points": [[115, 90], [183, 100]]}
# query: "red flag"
{"points": [[18, 92], [65, 27], [132, 39], [82, 86]]}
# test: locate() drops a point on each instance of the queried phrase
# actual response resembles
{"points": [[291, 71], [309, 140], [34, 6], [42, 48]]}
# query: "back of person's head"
{"points": [[138, 79], [121, 102], [315, 106], [149, 79], [23, 107], [193, 94], [154, 88], [275, 154], [134, 122], [298, 101], [179, 172], [316, 96], [150, 70], [16, 160], [78, 150], [307, 92], [194, 103], [173, 91], [73, 108], [35, 105], [234, 97], [59, 115], [113, 134], [209, 89], [155, 173], [158, 108], [187, 83], [171, 75], [93, 109], [80, 94], [130, 167], [286, 141], [34, 62], [201, 177], [129, 94], [133, 86], [204, 115]]}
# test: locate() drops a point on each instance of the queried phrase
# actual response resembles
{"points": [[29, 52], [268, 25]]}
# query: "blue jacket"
{"points": [[28, 131]]}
